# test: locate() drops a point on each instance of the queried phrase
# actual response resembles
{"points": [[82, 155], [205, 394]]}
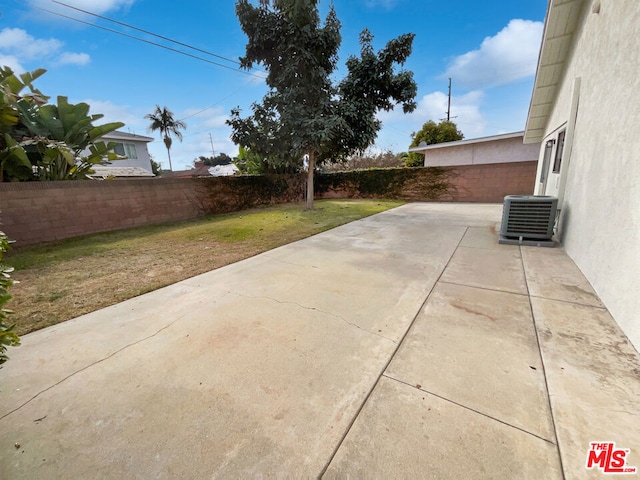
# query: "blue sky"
{"points": [[489, 49]]}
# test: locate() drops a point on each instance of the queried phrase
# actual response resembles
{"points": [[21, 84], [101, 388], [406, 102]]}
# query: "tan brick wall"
{"points": [[484, 183], [490, 183], [36, 212]]}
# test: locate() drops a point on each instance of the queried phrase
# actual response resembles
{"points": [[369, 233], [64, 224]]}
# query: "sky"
{"points": [[489, 50]]}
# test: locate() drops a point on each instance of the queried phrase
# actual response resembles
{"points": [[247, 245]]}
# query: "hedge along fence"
{"points": [[415, 184], [230, 194]]}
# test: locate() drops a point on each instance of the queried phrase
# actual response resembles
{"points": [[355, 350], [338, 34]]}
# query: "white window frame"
{"points": [[127, 150]]}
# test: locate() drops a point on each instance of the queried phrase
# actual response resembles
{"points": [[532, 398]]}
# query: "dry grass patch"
{"points": [[63, 280]]}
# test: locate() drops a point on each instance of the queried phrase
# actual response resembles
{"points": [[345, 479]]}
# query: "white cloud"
{"points": [[397, 127], [508, 56], [93, 6], [118, 113], [12, 62], [18, 47], [216, 121], [465, 110], [69, 58], [18, 42], [386, 4], [207, 118]]}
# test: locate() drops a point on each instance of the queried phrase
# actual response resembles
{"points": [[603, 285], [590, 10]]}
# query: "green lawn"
{"points": [[62, 280]]}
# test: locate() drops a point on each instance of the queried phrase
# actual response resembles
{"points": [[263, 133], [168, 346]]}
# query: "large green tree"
{"points": [[220, 159], [305, 114], [431, 133], [162, 120]]}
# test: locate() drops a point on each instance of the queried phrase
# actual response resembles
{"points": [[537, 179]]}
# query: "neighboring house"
{"points": [[137, 161], [505, 148], [202, 170], [585, 110]]}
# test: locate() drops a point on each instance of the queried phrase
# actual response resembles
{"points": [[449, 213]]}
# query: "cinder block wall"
{"points": [[482, 183], [489, 183], [35, 212]]}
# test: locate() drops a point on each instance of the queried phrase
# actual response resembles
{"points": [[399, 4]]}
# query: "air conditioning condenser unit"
{"points": [[528, 220]]}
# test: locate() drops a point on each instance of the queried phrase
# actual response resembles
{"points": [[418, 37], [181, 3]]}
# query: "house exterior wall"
{"points": [[143, 160], [498, 151], [600, 216]]}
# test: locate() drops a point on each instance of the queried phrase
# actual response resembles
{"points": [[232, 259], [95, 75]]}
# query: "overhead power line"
{"points": [[213, 104], [147, 32], [175, 50]]}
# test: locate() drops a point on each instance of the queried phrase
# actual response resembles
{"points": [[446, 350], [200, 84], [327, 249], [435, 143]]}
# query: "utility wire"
{"points": [[214, 104], [147, 32], [148, 42]]}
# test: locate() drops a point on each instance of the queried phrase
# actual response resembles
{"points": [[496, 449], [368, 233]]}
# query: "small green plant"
{"points": [[8, 337]]}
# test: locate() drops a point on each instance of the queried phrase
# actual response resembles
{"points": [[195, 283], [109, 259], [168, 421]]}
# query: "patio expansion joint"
{"points": [[579, 304], [484, 288], [391, 357], [422, 389], [314, 309], [544, 368], [97, 362]]}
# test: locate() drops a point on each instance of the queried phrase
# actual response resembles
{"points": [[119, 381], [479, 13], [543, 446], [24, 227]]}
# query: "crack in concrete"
{"points": [[86, 367], [305, 307], [286, 262]]}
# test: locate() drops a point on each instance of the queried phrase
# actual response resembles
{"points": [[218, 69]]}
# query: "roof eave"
{"points": [[552, 64]]}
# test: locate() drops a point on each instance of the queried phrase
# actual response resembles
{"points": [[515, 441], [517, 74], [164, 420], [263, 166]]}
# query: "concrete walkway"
{"points": [[405, 345]]}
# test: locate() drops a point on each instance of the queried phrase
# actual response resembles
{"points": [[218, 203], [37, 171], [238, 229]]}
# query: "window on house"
{"points": [[548, 148], [559, 149], [126, 150]]}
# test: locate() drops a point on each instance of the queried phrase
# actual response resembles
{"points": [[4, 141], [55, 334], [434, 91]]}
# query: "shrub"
{"points": [[8, 337]]}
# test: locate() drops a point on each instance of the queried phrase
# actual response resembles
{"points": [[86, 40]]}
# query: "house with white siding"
{"points": [[503, 148], [585, 111], [135, 161]]}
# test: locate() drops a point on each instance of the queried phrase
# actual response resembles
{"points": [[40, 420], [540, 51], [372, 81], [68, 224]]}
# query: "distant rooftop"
{"points": [[106, 171], [492, 138], [119, 135]]}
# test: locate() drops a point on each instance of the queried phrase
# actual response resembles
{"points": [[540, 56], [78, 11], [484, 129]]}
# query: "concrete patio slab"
{"points": [[466, 336], [404, 432], [593, 374], [483, 237], [83, 341], [255, 368], [554, 275], [486, 268], [238, 389]]}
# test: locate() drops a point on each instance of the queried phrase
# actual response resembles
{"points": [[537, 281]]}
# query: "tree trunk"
{"points": [[312, 167], [169, 155]]}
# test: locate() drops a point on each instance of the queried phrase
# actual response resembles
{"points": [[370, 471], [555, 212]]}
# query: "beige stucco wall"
{"points": [[496, 151], [600, 218]]}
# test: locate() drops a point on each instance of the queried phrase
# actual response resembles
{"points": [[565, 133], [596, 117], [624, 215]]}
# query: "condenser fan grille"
{"points": [[528, 216]]}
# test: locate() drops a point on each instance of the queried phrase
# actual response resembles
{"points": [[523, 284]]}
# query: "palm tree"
{"points": [[162, 119]]}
